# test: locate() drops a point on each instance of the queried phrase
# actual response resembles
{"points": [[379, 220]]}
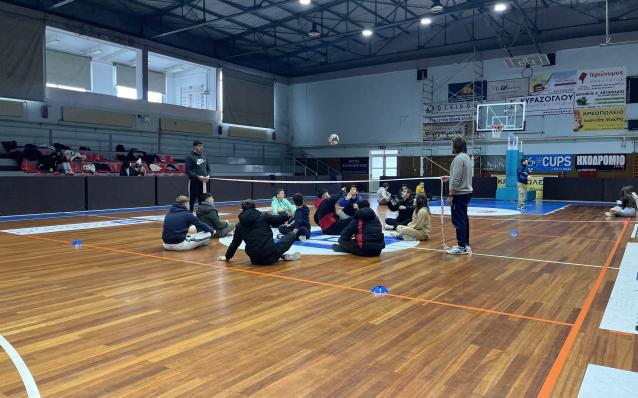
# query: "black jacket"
{"points": [[403, 214], [302, 217], [197, 166], [521, 174], [176, 224], [365, 228], [209, 215], [254, 229]]}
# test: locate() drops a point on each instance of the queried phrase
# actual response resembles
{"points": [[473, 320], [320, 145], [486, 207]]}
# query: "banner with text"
{"points": [[354, 165], [552, 82], [549, 162], [504, 89], [601, 162], [445, 131], [600, 99], [547, 104], [445, 112], [467, 91]]}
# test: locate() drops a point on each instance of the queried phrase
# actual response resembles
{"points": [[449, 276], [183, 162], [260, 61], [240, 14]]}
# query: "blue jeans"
{"points": [[460, 219]]}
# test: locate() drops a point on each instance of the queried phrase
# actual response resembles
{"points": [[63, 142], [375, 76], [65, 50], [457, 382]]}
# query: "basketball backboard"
{"points": [[509, 114]]}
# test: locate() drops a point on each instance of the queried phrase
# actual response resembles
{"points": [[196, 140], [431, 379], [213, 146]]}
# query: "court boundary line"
{"points": [[23, 370], [313, 282], [518, 258], [557, 210], [563, 355]]}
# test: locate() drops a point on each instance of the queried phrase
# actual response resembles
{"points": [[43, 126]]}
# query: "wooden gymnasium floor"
{"points": [[119, 317]]}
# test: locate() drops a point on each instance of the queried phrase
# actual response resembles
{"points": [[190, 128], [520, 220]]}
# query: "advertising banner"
{"points": [[504, 89], [445, 131], [467, 91], [534, 183], [547, 104], [601, 162], [552, 82], [601, 88], [550, 162], [445, 112], [493, 163], [354, 165], [599, 119]]}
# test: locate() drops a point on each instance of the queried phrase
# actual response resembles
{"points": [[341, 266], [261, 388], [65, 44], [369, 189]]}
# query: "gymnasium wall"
{"points": [[385, 109]]}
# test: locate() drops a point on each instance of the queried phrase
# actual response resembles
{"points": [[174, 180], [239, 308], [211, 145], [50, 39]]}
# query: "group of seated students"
{"points": [[359, 229]]}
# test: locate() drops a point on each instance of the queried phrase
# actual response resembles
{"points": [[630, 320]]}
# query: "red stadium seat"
{"points": [[181, 167], [169, 159]]}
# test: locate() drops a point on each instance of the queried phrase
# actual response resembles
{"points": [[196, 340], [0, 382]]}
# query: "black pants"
{"points": [[460, 219], [300, 231], [351, 246], [281, 248], [337, 227], [280, 219], [395, 222], [195, 190]]}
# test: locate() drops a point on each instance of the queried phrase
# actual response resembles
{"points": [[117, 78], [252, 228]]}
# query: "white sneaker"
{"points": [[292, 256], [389, 227], [302, 238], [457, 250]]}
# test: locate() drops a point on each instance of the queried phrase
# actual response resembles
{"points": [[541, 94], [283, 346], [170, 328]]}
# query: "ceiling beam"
{"points": [[59, 4]]}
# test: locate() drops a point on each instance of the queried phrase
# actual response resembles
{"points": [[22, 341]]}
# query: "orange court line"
{"points": [[622, 333], [561, 359], [291, 278]]}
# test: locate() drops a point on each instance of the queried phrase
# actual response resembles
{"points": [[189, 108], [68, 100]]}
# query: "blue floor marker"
{"points": [[514, 233], [379, 290], [77, 243]]}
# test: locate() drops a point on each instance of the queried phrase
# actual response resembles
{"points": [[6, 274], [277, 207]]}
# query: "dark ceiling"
{"points": [[273, 35]]}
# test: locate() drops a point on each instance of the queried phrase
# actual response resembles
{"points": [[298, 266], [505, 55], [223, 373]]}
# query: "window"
{"points": [[63, 87], [131, 93], [383, 163]]}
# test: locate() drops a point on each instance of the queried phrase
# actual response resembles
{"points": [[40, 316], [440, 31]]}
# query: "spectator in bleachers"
{"points": [[208, 214], [126, 169], [62, 164], [198, 171], [176, 224]]}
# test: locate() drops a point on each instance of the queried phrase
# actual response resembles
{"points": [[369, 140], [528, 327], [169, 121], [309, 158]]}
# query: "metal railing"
{"points": [[305, 164]]}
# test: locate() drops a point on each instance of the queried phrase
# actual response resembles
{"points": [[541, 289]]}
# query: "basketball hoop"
{"points": [[497, 129]]}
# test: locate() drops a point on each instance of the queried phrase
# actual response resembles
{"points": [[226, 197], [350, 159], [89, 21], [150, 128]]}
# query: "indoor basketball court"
{"points": [[450, 186]]}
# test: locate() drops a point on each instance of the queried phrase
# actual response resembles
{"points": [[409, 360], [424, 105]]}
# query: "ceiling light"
{"points": [[304, 2], [436, 6], [53, 40], [93, 53], [314, 32], [366, 32], [175, 70], [500, 7], [426, 21]]}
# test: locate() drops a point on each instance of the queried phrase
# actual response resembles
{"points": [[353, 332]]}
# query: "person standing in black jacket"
{"points": [[364, 235], [521, 180], [254, 229], [405, 207], [198, 171]]}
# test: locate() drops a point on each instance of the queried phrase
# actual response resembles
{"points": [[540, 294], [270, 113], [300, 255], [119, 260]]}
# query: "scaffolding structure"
{"points": [[428, 91]]}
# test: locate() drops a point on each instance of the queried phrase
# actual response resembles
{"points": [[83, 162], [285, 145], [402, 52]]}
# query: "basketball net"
{"points": [[497, 129]]}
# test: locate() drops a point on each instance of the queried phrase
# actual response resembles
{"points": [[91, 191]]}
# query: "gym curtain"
{"points": [[248, 100]]}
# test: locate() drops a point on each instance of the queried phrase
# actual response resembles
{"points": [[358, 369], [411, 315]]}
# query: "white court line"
{"points": [[635, 232], [557, 210], [521, 258], [23, 370], [539, 220]]}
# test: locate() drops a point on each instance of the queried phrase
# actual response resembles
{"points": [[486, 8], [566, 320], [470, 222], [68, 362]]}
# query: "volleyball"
{"points": [[333, 139]]}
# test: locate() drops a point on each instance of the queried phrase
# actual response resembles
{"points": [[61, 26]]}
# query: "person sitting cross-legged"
{"points": [[254, 229], [419, 227], [176, 225], [405, 207], [364, 235], [350, 202], [300, 224], [208, 214], [331, 221]]}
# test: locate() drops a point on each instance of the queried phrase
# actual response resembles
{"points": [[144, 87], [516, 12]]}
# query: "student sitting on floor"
{"points": [[626, 205], [300, 224], [364, 235], [405, 207], [254, 230], [383, 194], [207, 213], [326, 215], [419, 227], [282, 207], [350, 202], [176, 224]]}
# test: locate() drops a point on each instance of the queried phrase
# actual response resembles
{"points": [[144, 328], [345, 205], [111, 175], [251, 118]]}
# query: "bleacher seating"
{"points": [[113, 163]]}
